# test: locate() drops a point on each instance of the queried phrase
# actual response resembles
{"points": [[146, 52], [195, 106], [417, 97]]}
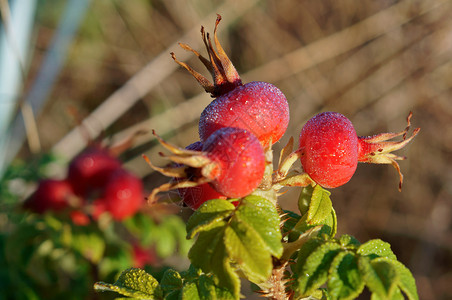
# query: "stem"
{"points": [[275, 287]]}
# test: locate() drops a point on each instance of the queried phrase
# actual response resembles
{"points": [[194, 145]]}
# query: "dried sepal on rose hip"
{"points": [[258, 107], [193, 197], [376, 149], [232, 161]]}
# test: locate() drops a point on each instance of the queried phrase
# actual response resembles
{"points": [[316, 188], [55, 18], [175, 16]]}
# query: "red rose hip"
{"points": [[232, 161], [258, 107], [51, 194], [329, 149], [91, 169], [123, 194], [193, 197], [240, 159]]}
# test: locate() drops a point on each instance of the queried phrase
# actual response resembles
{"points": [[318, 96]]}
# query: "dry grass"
{"points": [[373, 61]]}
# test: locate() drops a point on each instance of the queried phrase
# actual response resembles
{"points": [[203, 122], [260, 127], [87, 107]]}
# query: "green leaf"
{"points": [[171, 281], [376, 248], [210, 214], [304, 253], [247, 249], [270, 195], [177, 227], [224, 294], [324, 294], [320, 206], [174, 295], [135, 283], [209, 254], [304, 199], [190, 291], [344, 279], [262, 216], [348, 241], [331, 221], [140, 225], [380, 275], [206, 246], [191, 274], [314, 271], [290, 220], [165, 243], [224, 273], [291, 247], [319, 211], [397, 295], [206, 287], [406, 280], [90, 245]]}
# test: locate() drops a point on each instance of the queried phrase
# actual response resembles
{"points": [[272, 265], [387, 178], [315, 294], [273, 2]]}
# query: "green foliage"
{"points": [[344, 264], [245, 237], [246, 241], [316, 204], [250, 241], [20, 174], [167, 234], [344, 280], [314, 271], [135, 283], [49, 257], [224, 243], [192, 284], [347, 267]]}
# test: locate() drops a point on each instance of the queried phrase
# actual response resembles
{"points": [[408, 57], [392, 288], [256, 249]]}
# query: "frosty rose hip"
{"points": [[258, 107]]}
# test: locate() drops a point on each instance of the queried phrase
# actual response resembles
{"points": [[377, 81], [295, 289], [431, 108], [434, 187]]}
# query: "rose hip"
{"points": [[329, 149], [258, 107]]}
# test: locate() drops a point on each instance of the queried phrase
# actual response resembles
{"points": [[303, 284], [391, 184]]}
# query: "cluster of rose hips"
{"points": [[96, 183], [238, 128]]}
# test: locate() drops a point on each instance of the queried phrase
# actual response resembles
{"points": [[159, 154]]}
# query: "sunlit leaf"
{"points": [[376, 248], [208, 215], [190, 291], [314, 271], [406, 280], [320, 206], [380, 276], [348, 241], [135, 283], [305, 198], [209, 254], [171, 281], [344, 279], [262, 216], [246, 248]]}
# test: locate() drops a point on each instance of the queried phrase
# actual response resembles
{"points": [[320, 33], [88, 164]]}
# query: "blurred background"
{"points": [[76, 68]]}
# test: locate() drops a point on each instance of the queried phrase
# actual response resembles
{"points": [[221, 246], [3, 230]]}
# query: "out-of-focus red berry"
{"points": [[91, 169], [123, 194], [142, 257], [52, 195], [79, 218]]}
